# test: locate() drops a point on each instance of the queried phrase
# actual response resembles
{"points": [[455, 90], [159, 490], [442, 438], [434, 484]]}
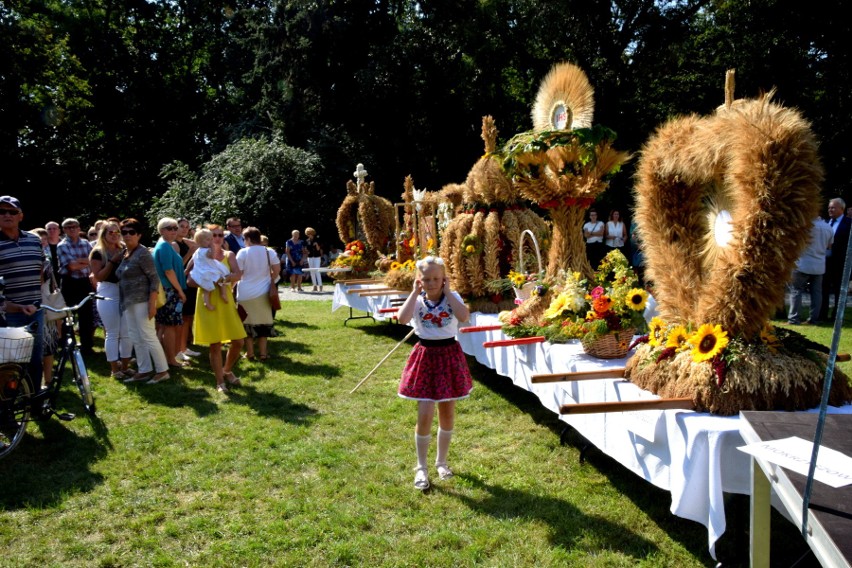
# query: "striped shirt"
{"points": [[21, 264]]}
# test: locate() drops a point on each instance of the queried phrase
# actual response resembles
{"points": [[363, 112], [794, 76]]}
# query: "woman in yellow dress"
{"points": [[221, 324]]}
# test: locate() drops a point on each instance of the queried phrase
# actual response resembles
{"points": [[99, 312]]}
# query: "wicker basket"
{"points": [[610, 346], [16, 345], [525, 291]]}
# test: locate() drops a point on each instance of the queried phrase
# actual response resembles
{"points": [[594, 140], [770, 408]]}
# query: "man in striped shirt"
{"points": [[22, 266]]}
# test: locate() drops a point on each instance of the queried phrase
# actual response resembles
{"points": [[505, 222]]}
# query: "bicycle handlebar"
{"points": [[68, 309]]}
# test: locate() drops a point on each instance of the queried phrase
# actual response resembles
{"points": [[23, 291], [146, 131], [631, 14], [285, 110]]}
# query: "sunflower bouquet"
{"points": [[352, 257], [610, 303]]}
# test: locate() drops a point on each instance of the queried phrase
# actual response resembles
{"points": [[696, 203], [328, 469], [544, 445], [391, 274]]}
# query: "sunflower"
{"points": [[767, 335], [677, 338], [707, 342], [656, 331], [636, 299], [395, 265]]}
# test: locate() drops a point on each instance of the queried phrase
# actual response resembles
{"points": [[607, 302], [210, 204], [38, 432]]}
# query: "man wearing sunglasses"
{"points": [[22, 266], [74, 269]]}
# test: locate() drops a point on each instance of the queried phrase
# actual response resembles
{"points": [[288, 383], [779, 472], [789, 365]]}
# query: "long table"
{"points": [[692, 455]]}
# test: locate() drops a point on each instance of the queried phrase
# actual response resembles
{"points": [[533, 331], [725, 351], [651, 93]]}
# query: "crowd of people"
{"points": [[205, 286]]}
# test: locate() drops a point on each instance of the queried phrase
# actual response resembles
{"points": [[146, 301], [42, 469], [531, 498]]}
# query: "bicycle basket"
{"points": [[16, 345]]}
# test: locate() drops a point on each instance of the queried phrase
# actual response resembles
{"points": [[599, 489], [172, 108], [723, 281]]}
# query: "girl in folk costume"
{"points": [[436, 371]]}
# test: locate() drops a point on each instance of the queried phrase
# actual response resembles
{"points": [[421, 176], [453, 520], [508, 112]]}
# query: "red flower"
{"points": [[427, 317], [444, 315]]}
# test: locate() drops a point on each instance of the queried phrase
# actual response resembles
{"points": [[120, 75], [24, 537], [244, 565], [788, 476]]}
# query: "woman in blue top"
{"points": [[169, 266], [293, 259]]}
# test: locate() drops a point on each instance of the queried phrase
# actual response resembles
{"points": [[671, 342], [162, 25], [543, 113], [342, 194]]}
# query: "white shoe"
{"points": [[182, 357], [421, 479], [191, 353]]}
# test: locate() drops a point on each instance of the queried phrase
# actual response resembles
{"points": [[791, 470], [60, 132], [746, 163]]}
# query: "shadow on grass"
{"points": [[569, 527], [43, 472], [653, 501], [271, 405]]}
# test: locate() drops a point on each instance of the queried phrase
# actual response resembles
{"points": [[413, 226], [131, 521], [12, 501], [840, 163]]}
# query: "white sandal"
{"points": [[421, 479], [444, 471]]}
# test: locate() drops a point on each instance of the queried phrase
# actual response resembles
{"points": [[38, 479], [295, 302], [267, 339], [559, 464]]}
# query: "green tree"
{"points": [[263, 181]]}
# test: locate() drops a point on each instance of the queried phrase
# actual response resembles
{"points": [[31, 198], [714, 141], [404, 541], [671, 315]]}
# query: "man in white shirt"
{"points": [[809, 271]]}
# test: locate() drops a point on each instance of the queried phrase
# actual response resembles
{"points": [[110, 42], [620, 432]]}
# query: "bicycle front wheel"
{"points": [[81, 378], [15, 395]]}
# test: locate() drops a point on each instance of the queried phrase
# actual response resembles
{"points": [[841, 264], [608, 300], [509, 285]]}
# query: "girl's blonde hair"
{"points": [[204, 238], [424, 263]]}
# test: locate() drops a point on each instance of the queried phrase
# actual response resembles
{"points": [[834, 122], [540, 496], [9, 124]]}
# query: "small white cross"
{"points": [[360, 174]]}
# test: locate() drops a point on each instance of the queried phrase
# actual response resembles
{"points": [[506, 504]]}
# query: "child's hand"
{"points": [[418, 286]]}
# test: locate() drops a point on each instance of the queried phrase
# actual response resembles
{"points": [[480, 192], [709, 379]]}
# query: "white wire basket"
{"points": [[16, 345], [525, 291]]}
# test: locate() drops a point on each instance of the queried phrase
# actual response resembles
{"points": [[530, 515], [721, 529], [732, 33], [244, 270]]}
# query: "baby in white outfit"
{"points": [[208, 272]]}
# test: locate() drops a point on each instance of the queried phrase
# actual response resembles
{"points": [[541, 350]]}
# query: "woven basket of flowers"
{"points": [[524, 292], [613, 345]]}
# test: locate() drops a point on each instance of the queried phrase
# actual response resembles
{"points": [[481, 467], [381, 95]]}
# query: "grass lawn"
{"points": [[292, 470]]}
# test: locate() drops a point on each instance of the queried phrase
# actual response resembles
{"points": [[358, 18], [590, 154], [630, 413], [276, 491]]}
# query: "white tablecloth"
{"points": [[692, 455], [347, 296]]}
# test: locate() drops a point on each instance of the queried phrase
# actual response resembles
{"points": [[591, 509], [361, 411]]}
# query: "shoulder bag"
{"points": [[274, 299], [52, 296]]}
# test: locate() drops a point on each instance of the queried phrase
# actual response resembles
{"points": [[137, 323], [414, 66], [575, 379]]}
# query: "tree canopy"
{"points": [[97, 97]]}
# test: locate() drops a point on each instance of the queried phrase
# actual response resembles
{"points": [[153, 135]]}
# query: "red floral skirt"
{"points": [[436, 373]]}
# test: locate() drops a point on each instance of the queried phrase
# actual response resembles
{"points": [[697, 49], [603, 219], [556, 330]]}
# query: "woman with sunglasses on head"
{"points": [[169, 266], [138, 284], [221, 324], [104, 259]]}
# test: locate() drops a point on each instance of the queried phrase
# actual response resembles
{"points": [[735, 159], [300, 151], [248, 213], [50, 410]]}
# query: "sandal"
{"points": [[444, 471], [421, 479], [159, 378], [138, 377], [250, 357], [231, 378], [222, 387], [265, 357]]}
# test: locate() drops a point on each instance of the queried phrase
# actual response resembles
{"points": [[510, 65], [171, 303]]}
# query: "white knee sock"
{"points": [[422, 445], [444, 438]]}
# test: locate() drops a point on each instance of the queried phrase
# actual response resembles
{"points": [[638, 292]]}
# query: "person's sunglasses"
{"points": [[170, 228], [113, 232], [9, 211], [128, 232], [220, 235]]}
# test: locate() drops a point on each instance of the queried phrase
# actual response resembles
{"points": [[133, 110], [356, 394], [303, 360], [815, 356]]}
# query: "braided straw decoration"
{"points": [[491, 248], [346, 218], [512, 231], [473, 263], [370, 221], [458, 228]]}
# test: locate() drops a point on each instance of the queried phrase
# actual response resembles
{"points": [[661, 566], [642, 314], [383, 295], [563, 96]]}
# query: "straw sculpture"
{"points": [[367, 217], [564, 163], [724, 205], [482, 241]]}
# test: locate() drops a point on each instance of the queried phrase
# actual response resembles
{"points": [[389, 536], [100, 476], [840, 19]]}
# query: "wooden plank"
{"points": [[388, 310], [614, 373], [511, 342], [361, 281], [628, 405], [386, 292], [475, 328]]}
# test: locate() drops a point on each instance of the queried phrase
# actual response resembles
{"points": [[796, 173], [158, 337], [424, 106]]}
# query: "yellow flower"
{"points": [[636, 299], [656, 329], [557, 306], [677, 338], [767, 335], [395, 265], [409, 265], [470, 248], [412, 242], [707, 342]]}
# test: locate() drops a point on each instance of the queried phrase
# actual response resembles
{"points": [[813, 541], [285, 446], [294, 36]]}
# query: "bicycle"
{"points": [[18, 403]]}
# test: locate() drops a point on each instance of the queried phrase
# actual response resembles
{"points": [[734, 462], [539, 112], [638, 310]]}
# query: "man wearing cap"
{"points": [[73, 253], [22, 266]]}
